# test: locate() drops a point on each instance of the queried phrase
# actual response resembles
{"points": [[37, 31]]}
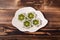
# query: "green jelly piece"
{"points": [[27, 23], [21, 17], [35, 22], [30, 15]]}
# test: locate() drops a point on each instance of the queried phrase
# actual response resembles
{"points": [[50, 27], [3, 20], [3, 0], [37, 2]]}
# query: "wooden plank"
{"points": [[9, 4]]}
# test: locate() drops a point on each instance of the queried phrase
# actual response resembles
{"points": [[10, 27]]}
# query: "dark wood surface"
{"points": [[51, 12]]}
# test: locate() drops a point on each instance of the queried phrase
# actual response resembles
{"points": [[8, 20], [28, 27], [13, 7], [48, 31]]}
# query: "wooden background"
{"points": [[50, 9]]}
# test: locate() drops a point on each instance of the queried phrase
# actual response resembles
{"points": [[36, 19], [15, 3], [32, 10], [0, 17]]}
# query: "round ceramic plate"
{"points": [[32, 28]]}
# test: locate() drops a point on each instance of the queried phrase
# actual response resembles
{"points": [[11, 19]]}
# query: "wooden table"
{"points": [[8, 32]]}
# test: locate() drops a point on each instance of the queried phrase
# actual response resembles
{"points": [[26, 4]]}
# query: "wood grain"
{"points": [[50, 11]]}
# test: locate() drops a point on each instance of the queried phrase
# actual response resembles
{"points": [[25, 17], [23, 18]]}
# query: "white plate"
{"points": [[19, 25]]}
